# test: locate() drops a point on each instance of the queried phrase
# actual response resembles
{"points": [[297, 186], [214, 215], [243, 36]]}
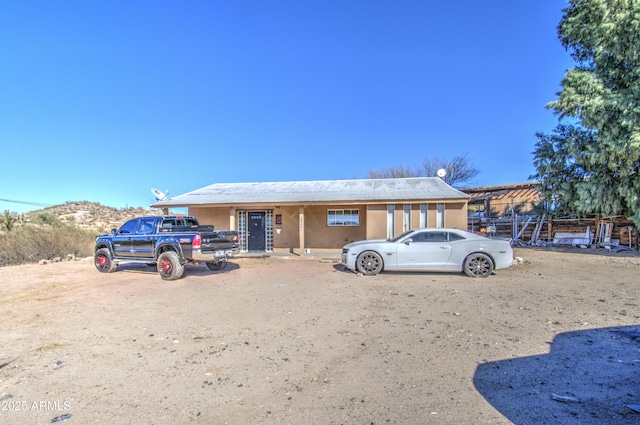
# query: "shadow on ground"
{"points": [[588, 377], [189, 269]]}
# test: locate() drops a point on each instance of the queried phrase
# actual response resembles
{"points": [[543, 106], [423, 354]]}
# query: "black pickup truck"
{"points": [[170, 242]]}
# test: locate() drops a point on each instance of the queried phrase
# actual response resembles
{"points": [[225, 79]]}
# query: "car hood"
{"points": [[360, 243]]}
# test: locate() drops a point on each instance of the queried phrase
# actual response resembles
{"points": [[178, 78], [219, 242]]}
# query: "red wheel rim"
{"points": [[166, 266], [102, 261]]}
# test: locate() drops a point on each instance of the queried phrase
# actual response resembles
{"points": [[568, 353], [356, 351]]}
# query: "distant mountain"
{"points": [[91, 215]]}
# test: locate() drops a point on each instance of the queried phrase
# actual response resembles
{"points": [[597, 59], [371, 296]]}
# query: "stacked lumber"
{"points": [[537, 230]]}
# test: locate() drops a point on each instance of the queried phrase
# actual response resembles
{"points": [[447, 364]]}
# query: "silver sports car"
{"points": [[429, 250]]}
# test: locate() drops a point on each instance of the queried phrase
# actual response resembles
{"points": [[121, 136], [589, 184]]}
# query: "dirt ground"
{"points": [[290, 341]]}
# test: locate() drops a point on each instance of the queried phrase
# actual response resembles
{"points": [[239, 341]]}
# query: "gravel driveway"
{"points": [[290, 341]]}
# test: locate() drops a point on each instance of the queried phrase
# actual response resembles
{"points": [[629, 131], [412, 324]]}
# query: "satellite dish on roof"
{"points": [[160, 196], [442, 173]]}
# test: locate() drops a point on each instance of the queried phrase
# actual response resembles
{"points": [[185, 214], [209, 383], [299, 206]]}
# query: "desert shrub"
{"points": [[34, 243], [44, 217]]}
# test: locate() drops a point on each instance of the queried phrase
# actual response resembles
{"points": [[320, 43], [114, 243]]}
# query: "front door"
{"points": [[143, 243], [256, 235], [122, 241]]}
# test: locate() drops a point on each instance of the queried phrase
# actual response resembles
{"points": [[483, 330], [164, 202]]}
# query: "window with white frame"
{"points": [[440, 216], [423, 215], [407, 217], [343, 217], [391, 208]]}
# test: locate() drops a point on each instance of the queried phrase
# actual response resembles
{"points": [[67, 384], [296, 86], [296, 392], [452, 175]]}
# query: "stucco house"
{"points": [[323, 216]]}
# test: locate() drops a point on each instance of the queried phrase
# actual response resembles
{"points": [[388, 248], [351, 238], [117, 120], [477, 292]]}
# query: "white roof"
{"points": [[323, 191]]}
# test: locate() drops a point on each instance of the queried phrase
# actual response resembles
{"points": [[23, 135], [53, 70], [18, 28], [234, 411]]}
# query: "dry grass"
{"points": [[60, 231]]}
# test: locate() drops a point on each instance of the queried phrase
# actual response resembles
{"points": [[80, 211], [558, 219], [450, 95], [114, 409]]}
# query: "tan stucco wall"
{"points": [[376, 222], [219, 217], [318, 235], [456, 215], [288, 237], [432, 214], [415, 216]]}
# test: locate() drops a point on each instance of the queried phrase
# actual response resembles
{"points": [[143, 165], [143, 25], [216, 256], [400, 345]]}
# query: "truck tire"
{"points": [[103, 261], [169, 266], [215, 266]]}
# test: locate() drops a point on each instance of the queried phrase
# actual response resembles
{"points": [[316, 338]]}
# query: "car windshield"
{"points": [[397, 238]]}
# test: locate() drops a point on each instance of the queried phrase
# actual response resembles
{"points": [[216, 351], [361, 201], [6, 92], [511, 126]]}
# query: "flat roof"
{"points": [[319, 191]]}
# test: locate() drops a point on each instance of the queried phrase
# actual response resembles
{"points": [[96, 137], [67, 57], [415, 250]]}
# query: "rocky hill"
{"points": [[90, 215]]}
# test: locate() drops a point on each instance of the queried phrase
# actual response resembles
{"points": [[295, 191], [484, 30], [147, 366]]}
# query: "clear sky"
{"points": [[103, 100]]}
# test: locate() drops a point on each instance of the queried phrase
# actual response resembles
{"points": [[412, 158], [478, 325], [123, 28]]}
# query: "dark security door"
{"points": [[256, 231]]}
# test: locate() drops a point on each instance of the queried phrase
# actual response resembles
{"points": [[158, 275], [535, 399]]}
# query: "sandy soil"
{"points": [[290, 341]]}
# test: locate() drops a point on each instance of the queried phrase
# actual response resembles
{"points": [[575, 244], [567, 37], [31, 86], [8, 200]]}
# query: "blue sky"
{"points": [[101, 101]]}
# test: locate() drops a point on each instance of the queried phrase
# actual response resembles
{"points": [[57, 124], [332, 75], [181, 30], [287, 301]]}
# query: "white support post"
{"points": [[232, 218], [301, 232]]}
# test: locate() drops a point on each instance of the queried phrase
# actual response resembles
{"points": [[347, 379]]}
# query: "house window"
{"points": [[343, 217], [390, 220], [440, 216], [423, 215], [407, 217]]}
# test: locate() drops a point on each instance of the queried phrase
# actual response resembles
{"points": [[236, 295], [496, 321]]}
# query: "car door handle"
{"points": [[444, 247]]}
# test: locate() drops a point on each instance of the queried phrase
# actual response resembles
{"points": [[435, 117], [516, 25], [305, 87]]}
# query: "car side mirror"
{"points": [[408, 241], [113, 231]]}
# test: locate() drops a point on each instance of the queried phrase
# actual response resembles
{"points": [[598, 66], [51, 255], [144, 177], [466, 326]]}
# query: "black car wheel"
{"points": [[478, 265], [369, 263]]}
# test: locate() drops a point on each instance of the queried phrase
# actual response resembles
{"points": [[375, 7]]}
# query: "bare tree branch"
{"points": [[459, 170], [401, 171]]}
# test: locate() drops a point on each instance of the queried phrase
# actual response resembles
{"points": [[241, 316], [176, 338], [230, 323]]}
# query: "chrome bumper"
{"points": [[207, 257]]}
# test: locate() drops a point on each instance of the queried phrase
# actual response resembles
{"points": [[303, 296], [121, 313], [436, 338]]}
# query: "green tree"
{"points": [[590, 163], [558, 160], [459, 170]]}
